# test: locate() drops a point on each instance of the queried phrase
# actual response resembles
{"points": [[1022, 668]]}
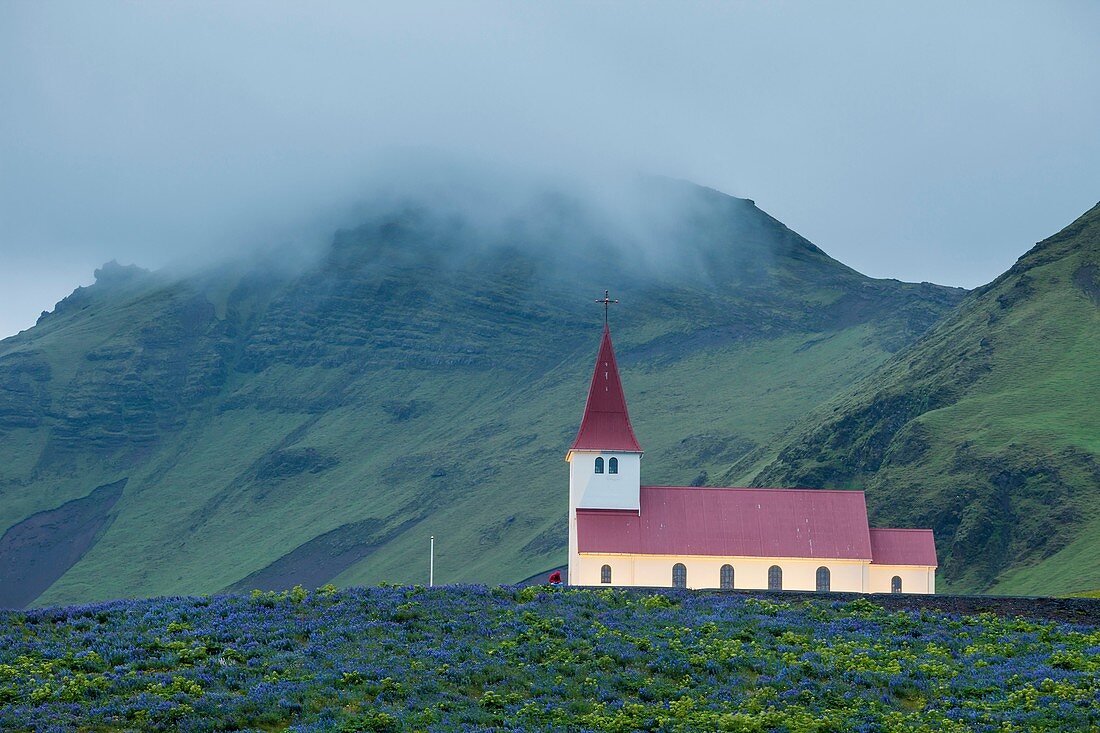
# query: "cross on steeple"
{"points": [[607, 301]]}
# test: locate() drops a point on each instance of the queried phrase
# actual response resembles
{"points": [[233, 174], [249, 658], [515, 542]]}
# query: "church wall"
{"points": [[914, 578], [704, 571]]}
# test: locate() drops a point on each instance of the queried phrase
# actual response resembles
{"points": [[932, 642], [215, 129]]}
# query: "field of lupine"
{"points": [[476, 658]]}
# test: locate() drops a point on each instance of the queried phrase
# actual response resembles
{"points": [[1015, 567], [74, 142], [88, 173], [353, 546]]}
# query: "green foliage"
{"points": [[178, 686], [1075, 660], [81, 687], [491, 701], [406, 612], [374, 721], [764, 606], [270, 598], [530, 593], [863, 608], [656, 601]]}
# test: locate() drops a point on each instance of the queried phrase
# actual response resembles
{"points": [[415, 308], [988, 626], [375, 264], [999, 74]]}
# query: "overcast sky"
{"points": [[927, 141]]}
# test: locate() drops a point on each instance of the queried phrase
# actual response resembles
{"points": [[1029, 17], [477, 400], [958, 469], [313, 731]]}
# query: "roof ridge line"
{"points": [[759, 488]]}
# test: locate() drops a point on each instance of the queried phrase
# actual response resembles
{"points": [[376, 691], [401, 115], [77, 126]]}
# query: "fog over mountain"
{"points": [[934, 142]]}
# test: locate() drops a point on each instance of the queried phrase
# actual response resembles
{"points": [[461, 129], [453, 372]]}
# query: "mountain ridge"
{"points": [[423, 375]]}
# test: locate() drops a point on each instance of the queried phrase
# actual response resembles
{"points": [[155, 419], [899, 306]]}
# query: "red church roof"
{"points": [[903, 547], [606, 425], [678, 520]]}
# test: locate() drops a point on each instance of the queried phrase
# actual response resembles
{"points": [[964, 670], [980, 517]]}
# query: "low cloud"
{"points": [[909, 142]]}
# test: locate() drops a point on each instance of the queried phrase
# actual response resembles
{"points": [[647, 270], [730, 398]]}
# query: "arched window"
{"points": [[605, 574], [775, 578], [613, 465], [679, 576], [895, 584], [599, 464], [823, 579], [725, 577]]}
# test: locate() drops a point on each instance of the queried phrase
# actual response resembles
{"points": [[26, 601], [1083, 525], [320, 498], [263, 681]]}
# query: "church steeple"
{"points": [[606, 424], [605, 461]]}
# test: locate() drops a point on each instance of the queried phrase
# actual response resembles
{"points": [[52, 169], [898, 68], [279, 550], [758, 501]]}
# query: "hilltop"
{"points": [[262, 424], [987, 429]]}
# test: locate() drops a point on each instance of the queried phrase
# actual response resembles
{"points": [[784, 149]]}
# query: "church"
{"points": [[622, 533]]}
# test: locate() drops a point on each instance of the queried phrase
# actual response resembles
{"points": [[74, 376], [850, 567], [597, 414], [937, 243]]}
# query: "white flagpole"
{"points": [[431, 563]]}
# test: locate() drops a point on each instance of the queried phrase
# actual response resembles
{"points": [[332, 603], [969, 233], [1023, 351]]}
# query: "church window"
{"points": [[725, 577], [823, 579], [679, 576], [775, 578], [605, 574], [895, 584], [599, 464], [612, 465]]}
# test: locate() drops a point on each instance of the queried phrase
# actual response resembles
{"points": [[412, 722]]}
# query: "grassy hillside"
{"points": [[262, 425], [478, 658], [988, 429]]}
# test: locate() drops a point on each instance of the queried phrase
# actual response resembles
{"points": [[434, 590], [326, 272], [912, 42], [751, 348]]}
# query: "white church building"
{"points": [[622, 533]]}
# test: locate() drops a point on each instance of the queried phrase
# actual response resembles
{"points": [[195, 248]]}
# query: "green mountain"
{"points": [[265, 424], [987, 429]]}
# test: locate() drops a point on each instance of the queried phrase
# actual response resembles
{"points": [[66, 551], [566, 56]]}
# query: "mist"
{"points": [[931, 142]]}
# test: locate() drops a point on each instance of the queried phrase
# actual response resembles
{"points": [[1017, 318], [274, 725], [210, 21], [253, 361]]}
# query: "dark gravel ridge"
{"points": [[1068, 610]]}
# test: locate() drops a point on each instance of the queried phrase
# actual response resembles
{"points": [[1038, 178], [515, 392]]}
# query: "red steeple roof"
{"points": [[606, 425]]}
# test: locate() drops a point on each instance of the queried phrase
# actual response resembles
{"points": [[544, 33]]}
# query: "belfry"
{"points": [[622, 533]]}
